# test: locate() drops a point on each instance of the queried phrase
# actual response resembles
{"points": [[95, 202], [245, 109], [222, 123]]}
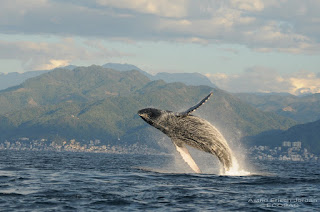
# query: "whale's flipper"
{"points": [[194, 108], [187, 157]]}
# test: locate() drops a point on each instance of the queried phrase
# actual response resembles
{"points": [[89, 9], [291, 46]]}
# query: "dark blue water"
{"points": [[53, 181]]}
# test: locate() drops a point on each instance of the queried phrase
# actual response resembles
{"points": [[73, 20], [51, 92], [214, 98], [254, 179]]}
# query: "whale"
{"points": [[185, 129]]}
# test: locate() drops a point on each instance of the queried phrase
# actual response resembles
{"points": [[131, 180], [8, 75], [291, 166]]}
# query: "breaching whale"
{"points": [[185, 129]]}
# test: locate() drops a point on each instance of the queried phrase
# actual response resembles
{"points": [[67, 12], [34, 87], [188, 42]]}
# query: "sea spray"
{"points": [[235, 169]]}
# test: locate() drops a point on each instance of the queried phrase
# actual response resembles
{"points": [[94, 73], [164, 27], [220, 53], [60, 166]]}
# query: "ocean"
{"points": [[70, 181]]}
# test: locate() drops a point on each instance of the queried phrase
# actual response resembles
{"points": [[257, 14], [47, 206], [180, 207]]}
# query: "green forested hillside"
{"points": [[98, 103], [82, 84]]}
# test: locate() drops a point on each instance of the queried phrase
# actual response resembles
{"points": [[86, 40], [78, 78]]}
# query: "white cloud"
{"points": [[261, 79], [13, 11], [249, 5], [305, 82], [53, 64], [166, 8], [48, 55], [263, 25], [196, 40]]}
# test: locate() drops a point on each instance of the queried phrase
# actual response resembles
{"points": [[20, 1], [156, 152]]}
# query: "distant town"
{"points": [[73, 146], [289, 151]]}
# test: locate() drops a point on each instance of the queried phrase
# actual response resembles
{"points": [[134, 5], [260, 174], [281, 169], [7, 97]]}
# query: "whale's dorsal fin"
{"points": [[194, 108]]}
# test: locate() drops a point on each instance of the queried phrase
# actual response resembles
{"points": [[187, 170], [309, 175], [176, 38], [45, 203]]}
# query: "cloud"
{"points": [[48, 55], [273, 25], [261, 79], [166, 8], [53, 64], [305, 82], [249, 5]]}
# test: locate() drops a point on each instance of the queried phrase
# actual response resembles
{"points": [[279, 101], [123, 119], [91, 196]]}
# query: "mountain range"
{"points": [[101, 103], [14, 79], [302, 109], [81, 84]]}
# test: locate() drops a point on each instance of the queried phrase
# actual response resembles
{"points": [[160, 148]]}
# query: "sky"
{"points": [[240, 45]]}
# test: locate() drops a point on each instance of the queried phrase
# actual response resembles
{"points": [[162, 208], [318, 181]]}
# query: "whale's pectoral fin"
{"points": [[194, 108], [187, 157]]}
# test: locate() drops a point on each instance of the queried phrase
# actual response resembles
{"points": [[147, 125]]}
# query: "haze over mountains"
{"points": [[302, 109], [15, 78]]}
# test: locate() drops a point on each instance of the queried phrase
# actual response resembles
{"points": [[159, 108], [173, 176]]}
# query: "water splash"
{"points": [[235, 169]]}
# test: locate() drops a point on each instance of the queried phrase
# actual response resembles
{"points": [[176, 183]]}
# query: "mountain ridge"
{"points": [[7, 80], [81, 84], [74, 105]]}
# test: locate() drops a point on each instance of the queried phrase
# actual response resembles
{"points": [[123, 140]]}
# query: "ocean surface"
{"points": [[66, 181]]}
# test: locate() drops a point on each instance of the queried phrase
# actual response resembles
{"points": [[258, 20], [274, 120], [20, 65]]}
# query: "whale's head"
{"points": [[157, 118], [150, 115]]}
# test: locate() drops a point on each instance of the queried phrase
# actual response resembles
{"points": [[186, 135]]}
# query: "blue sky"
{"points": [[241, 45]]}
